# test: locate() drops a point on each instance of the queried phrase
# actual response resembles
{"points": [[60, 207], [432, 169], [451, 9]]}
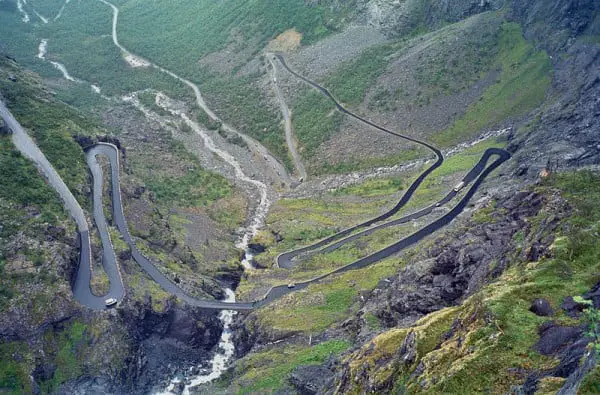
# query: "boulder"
{"points": [[541, 307], [554, 337]]}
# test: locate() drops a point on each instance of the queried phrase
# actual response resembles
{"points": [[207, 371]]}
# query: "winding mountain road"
{"points": [[478, 173], [476, 176], [285, 260], [81, 286]]}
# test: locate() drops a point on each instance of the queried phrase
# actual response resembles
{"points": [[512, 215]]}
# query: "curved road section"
{"points": [[81, 286], [502, 156], [112, 153], [285, 260]]}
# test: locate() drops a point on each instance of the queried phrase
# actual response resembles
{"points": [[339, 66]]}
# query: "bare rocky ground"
{"points": [[325, 56]]}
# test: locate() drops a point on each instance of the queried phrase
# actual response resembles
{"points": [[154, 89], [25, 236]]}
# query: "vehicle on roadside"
{"points": [[291, 285], [110, 302], [459, 186]]}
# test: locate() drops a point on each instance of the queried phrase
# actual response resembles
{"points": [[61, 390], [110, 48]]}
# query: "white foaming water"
{"points": [[25, 17], [42, 50], [222, 357], [96, 89]]}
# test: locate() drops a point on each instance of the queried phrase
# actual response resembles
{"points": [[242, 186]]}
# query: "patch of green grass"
{"points": [[322, 304], [268, 371], [521, 87], [372, 321], [350, 83], [315, 121], [371, 188], [591, 383], [194, 189]]}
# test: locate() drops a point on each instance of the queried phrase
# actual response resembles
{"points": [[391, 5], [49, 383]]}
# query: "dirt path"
{"points": [[287, 117]]}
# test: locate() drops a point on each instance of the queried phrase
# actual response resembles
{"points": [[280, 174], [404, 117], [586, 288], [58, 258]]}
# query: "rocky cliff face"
{"points": [[458, 264], [565, 134], [403, 17]]}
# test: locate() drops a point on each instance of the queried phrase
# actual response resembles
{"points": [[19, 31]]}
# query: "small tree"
{"points": [[592, 315]]}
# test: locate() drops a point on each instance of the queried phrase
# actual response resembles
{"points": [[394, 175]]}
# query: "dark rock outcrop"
{"points": [[309, 380], [541, 307], [456, 266]]}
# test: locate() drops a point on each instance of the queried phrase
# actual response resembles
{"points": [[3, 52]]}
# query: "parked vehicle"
{"points": [[110, 302]]}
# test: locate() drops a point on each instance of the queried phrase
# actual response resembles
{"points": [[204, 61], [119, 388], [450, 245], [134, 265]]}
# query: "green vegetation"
{"points": [[50, 123], [520, 88], [64, 348], [191, 29], [372, 188], [591, 384], [592, 315], [350, 83], [463, 53], [315, 121], [267, 371], [194, 189], [320, 305], [241, 103], [14, 376], [70, 346], [23, 185]]}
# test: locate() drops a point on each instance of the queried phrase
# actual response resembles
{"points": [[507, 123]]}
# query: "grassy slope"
{"points": [[525, 75], [50, 123], [498, 330], [267, 371], [524, 79]]}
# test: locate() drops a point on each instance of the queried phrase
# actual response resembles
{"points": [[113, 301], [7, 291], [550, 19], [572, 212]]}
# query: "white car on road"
{"points": [[110, 302]]}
